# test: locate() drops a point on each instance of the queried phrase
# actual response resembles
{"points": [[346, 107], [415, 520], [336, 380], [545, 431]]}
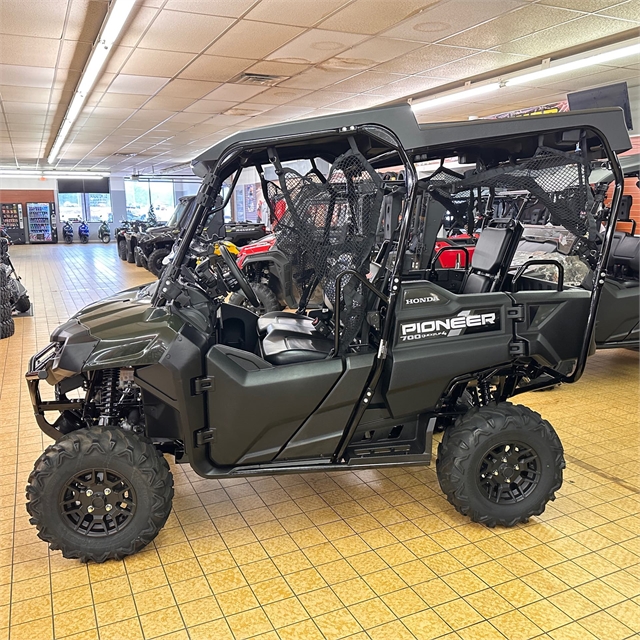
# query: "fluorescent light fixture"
{"points": [[113, 25], [466, 94], [34, 173], [600, 58], [471, 92]]}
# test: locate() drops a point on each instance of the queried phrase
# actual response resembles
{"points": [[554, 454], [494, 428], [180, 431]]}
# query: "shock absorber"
{"points": [[108, 396], [484, 392]]}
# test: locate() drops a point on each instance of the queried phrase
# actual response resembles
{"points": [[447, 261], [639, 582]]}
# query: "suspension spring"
{"points": [[484, 392], [108, 396]]}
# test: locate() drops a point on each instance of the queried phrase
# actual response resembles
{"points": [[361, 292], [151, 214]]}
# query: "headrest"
{"points": [[491, 248]]}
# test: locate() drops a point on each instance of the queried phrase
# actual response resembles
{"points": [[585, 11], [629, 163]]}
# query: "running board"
{"points": [[373, 461]]}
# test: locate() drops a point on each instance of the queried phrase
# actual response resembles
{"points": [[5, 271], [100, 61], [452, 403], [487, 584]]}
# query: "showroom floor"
{"points": [[375, 554]]}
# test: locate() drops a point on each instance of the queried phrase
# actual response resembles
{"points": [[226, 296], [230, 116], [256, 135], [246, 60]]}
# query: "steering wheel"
{"points": [[239, 276]]}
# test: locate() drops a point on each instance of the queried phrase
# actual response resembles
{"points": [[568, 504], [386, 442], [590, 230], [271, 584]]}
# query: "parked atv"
{"points": [[154, 245], [18, 297], [131, 234], [104, 232], [171, 368], [121, 240]]}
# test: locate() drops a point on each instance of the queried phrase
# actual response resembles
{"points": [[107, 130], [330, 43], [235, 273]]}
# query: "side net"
{"points": [[327, 227]]}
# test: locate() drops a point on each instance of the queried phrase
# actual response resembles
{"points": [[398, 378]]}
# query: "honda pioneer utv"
{"points": [[171, 368]]}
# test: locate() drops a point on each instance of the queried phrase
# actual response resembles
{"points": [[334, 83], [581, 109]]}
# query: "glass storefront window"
{"points": [[70, 206], [141, 195], [98, 207], [161, 194]]}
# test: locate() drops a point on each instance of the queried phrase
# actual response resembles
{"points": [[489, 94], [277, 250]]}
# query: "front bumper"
{"points": [[40, 370]]}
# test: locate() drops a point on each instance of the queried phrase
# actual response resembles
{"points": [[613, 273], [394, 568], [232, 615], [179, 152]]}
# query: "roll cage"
{"points": [[506, 144]]}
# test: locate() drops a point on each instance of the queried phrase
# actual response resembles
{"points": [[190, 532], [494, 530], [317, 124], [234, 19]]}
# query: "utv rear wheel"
{"points": [[99, 494], [122, 249], [266, 297], [130, 256], [154, 262], [500, 464], [137, 258]]}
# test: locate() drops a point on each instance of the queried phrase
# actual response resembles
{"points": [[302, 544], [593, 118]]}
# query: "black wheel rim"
{"points": [[509, 473], [97, 503]]}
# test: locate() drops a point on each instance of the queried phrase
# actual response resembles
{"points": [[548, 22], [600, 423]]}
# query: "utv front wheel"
{"points": [[23, 304], [122, 249], [500, 464], [99, 494]]}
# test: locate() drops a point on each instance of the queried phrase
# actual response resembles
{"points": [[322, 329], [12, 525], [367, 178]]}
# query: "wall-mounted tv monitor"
{"points": [[612, 95]]}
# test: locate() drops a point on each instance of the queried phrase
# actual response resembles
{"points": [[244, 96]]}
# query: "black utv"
{"points": [[154, 244], [170, 368]]}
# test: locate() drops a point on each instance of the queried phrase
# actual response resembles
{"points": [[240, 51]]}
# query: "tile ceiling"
{"points": [[167, 93]]}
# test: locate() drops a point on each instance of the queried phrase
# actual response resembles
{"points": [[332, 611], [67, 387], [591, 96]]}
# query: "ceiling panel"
{"points": [[154, 62], [373, 16], [302, 13], [215, 68], [171, 103], [228, 8], [188, 32], [146, 85], [263, 38], [235, 92], [210, 106], [279, 95], [320, 98], [522, 22], [366, 81], [272, 67], [22, 50], [565, 35], [22, 76], [376, 50], [130, 100], [315, 46], [187, 88], [44, 18], [426, 58], [580, 5], [317, 78], [446, 18], [627, 11]]}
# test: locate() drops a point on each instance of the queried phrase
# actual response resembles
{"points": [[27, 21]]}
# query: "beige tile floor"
{"points": [[374, 554]]}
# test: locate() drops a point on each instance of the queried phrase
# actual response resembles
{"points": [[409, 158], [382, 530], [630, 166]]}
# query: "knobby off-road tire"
{"points": [[137, 258], [130, 499], [122, 249], [267, 298], [500, 464], [130, 257], [154, 262], [7, 328]]}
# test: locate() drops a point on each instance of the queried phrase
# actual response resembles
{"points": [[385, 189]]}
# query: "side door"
{"points": [[438, 336]]}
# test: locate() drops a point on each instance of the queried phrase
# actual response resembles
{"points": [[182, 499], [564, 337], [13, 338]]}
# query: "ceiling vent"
{"points": [[261, 79]]}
